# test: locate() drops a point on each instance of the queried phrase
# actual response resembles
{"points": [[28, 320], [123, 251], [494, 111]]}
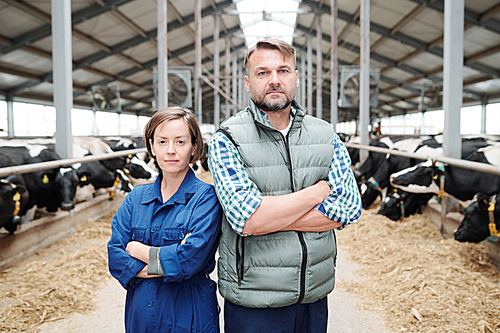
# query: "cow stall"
{"points": [[483, 177], [52, 226]]}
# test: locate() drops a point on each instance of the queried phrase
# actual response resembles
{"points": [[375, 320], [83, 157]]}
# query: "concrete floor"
{"points": [[344, 314]]}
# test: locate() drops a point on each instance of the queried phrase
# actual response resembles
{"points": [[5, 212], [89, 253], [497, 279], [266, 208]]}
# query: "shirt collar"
{"points": [[184, 193]]}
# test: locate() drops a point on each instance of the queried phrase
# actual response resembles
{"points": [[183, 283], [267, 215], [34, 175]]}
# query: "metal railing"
{"points": [[477, 166], [25, 168]]}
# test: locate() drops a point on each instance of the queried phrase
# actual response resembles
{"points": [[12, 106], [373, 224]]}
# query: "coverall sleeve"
{"points": [[121, 265]]}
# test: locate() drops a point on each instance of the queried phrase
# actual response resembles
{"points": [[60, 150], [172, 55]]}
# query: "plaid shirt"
{"points": [[240, 197]]}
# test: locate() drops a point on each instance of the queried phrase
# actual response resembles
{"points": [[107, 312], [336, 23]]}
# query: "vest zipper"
{"points": [[240, 259], [299, 233]]}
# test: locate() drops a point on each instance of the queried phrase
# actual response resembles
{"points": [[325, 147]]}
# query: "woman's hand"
{"points": [[138, 251]]}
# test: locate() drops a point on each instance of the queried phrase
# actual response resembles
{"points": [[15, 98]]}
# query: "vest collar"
{"points": [[261, 117]]}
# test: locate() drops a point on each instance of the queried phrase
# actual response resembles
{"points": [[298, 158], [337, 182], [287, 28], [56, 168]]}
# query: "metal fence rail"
{"points": [[483, 167], [25, 168]]}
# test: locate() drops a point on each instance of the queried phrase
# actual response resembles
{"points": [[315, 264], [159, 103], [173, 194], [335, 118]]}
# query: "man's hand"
{"points": [[323, 189]]}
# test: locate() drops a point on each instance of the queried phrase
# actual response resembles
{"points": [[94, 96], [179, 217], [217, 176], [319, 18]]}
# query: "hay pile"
{"points": [[418, 281], [56, 281]]}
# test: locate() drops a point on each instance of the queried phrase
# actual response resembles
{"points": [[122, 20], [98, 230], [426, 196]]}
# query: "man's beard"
{"points": [[271, 105]]}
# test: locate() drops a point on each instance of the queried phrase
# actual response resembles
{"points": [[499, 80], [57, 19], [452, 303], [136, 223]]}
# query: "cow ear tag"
{"points": [[435, 177], [16, 197], [45, 179], [84, 178], [129, 155]]}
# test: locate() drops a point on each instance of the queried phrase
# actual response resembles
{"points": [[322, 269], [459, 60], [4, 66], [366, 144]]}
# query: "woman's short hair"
{"points": [[171, 113]]}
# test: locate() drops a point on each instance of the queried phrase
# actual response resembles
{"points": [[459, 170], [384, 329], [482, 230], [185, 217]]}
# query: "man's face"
{"points": [[272, 80]]}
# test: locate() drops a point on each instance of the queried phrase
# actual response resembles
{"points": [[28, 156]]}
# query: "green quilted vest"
{"points": [[280, 268]]}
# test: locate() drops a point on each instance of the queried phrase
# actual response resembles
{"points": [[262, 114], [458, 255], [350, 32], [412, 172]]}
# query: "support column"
{"points": [[95, 130], [334, 110], [235, 81], [197, 65], [216, 73], [62, 69], [484, 102], [422, 124], [453, 59], [228, 72], [302, 76], [10, 117], [364, 87], [161, 17], [319, 69], [241, 83], [309, 76]]}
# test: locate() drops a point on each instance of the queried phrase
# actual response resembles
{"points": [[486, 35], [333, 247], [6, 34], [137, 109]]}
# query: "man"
{"points": [[284, 182]]}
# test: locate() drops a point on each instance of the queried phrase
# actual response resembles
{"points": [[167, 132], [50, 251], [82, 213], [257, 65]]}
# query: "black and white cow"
{"points": [[135, 167], [458, 182], [13, 197], [49, 189], [378, 183], [96, 175], [375, 159], [432, 148], [400, 204], [475, 224]]}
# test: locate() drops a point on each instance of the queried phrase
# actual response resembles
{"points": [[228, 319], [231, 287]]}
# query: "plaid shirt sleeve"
{"points": [[344, 203], [237, 194]]}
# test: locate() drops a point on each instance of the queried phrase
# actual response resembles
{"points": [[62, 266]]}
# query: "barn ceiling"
{"points": [[114, 43]]}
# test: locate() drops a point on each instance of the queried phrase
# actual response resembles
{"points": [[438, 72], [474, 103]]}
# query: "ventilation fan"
{"points": [[349, 86], [179, 86], [434, 97], [106, 98]]}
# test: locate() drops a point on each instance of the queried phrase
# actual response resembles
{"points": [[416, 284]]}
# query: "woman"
{"points": [[165, 234]]}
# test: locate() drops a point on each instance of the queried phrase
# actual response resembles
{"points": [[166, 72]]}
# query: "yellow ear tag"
{"points": [[491, 208], [83, 179], [129, 155], [45, 179], [435, 177], [16, 197]]}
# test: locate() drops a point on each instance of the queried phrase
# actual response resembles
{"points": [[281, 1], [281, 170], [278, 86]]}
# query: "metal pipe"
{"points": [[25, 168], [483, 167]]}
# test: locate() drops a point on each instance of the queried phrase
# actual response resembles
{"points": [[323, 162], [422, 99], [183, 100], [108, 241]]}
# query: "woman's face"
{"points": [[172, 146]]}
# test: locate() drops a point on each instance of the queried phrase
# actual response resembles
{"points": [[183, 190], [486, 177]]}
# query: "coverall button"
{"points": [[150, 304]]}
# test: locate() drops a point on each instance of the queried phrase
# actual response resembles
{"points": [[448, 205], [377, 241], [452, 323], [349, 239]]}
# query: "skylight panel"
{"points": [[267, 19]]}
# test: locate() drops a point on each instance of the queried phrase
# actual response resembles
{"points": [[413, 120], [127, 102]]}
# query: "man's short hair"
{"points": [[286, 49]]}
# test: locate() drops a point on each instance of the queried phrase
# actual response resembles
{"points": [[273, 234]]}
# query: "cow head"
{"points": [[13, 200], [369, 191], [474, 227], [393, 205], [422, 178], [67, 182]]}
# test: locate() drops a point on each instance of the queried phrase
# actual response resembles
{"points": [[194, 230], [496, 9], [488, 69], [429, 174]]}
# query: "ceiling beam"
{"points": [[487, 22], [44, 31], [403, 38], [114, 50]]}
